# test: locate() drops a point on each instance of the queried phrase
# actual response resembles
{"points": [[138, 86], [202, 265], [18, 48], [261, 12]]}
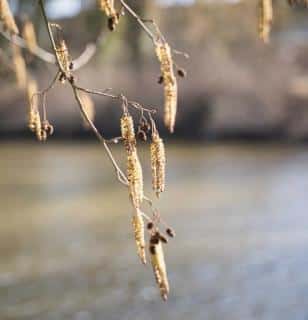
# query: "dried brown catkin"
{"points": [[164, 55], [159, 268], [158, 164], [138, 226], [135, 178], [29, 35], [6, 17], [265, 17]]}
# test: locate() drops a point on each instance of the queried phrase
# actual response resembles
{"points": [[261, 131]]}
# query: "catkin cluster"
{"points": [[107, 6], [164, 56], [6, 18], [265, 19], [158, 163]]}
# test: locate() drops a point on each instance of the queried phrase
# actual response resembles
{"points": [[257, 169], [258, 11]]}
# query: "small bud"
{"points": [[170, 232], [160, 80], [150, 225], [142, 135], [182, 73]]}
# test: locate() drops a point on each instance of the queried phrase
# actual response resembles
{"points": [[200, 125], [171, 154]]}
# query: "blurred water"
{"points": [[66, 248]]}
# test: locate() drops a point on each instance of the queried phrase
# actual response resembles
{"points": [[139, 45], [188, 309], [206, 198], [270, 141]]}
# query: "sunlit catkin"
{"points": [[164, 55], [107, 6], [32, 104], [6, 17], [158, 164], [135, 178], [88, 107], [128, 131], [19, 67], [159, 266], [265, 17], [138, 226], [29, 35]]}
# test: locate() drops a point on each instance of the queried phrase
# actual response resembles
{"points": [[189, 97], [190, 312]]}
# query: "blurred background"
{"points": [[237, 170]]}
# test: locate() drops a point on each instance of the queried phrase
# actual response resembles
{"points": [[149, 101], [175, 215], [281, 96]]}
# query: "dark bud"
{"points": [[111, 24], [71, 66], [182, 73], [152, 249], [160, 80], [150, 225], [154, 240], [163, 239], [71, 79], [170, 232], [142, 135], [62, 78]]}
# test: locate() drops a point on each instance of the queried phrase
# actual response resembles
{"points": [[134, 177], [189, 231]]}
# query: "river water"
{"points": [[241, 251]]}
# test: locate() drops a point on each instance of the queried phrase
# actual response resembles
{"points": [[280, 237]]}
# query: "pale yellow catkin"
{"points": [[89, 108], [29, 35], [138, 226], [63, 56], [158, 164], [159, 269], [128, 131], [7, 18], [135, 178], [163, 52], [19, 67], [32, 104], [265, 8]]}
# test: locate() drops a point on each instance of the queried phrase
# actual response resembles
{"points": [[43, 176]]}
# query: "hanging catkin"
{"points": [[158, 164], [19, 67], [135, 178], [265, 9], [159, 266], [107, 6], [128, 131], [6, 17], [28, 34], [138, 226], [32, 104], [88, 107], [164, 55]]}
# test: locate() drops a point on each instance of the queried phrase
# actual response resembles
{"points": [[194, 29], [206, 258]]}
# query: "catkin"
{"points": [[32, 104], [63, 57], [19, 67], [138, 226], [158, 164], [89, 108], [135, 178], [128, 131], [159, 268], [6, 17], [107, 6], [164, 55], [265, 19], [29, 35]]}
